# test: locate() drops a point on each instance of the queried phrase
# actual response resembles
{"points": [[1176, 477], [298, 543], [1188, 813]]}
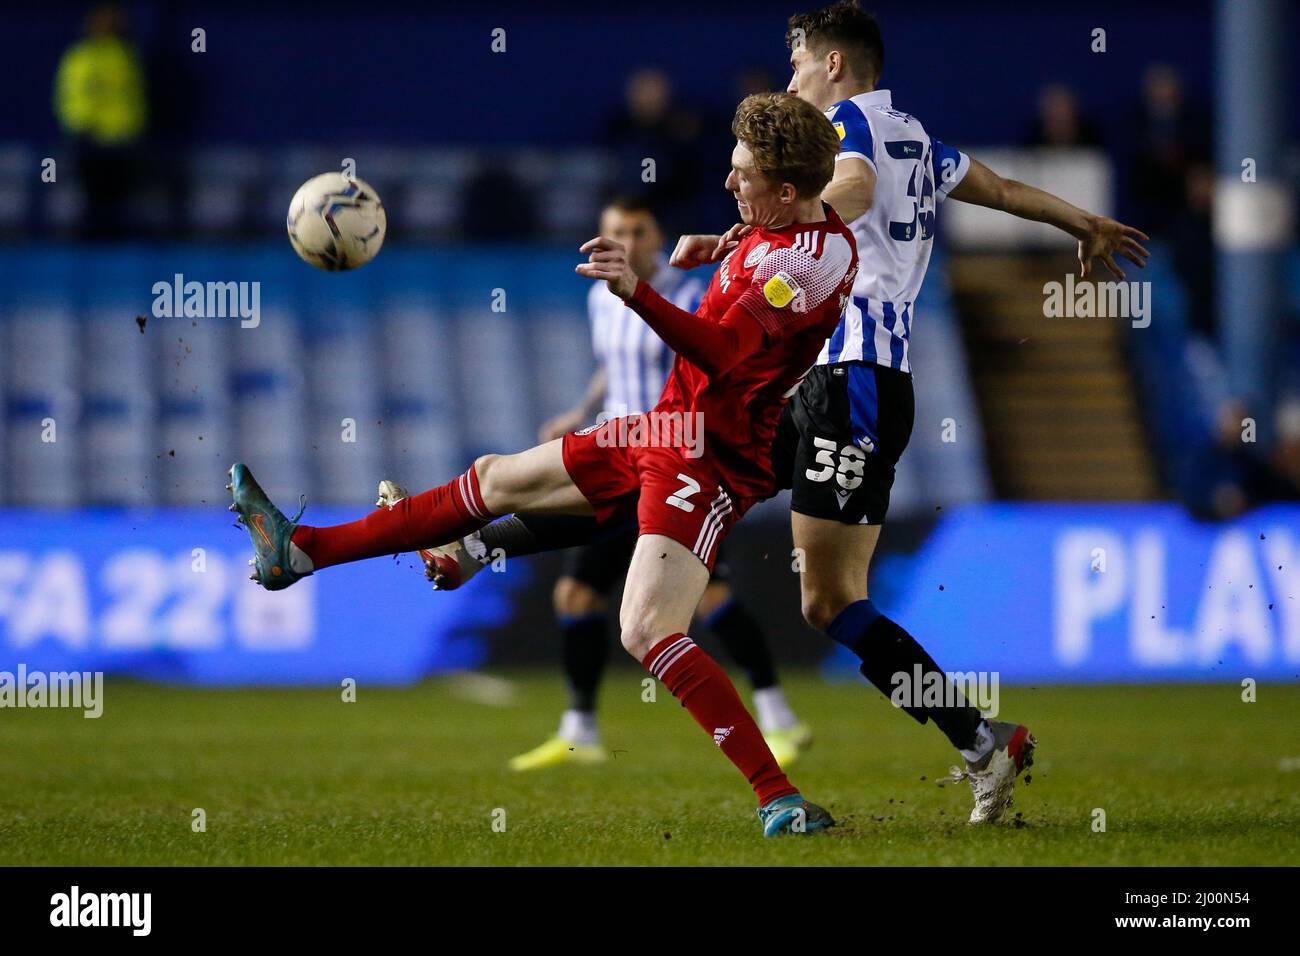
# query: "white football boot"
{"points": [[993, 778], [448, 566]]}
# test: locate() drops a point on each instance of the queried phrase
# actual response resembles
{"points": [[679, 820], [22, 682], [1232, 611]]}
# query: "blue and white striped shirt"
{"points": [[914, 172], [635, 359]]}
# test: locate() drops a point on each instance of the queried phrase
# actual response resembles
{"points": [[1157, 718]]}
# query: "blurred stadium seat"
{"points": [[401, 350]]}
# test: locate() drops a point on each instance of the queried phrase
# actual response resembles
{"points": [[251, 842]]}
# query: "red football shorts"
{"points": [[671, 494]]}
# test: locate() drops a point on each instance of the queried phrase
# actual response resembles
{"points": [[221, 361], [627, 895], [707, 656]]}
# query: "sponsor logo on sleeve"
{"points": [[780, 290]]}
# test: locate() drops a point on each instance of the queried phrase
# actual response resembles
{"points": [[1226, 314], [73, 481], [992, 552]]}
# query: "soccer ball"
{"points": [[336, 223]]}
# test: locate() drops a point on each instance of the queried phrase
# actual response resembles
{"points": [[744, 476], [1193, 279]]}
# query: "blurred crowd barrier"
{"points": [[223, 192]]}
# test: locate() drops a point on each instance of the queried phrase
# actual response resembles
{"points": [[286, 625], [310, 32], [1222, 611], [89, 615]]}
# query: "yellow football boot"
{"points": [[786, 745], [558, 751]]}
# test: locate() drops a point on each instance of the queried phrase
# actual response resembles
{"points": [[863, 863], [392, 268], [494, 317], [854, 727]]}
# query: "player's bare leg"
{"points": [[285, 551], [664, 584], [836, 559]]}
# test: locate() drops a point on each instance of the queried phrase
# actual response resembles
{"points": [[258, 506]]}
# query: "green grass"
{"points": [[1186, 776]]}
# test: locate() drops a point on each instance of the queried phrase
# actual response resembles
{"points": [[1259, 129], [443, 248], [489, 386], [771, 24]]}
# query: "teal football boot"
{"points": [[267, 526], [793, 814]]}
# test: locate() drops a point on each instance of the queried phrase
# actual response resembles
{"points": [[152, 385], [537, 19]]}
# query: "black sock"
{"points": [[518, 535], [586, 648], [886, 650], [745, 642]]}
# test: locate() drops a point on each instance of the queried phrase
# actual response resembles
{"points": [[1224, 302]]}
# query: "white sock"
{"points": [[774, 711], [983, 744], [299, 563], [579, 727]]}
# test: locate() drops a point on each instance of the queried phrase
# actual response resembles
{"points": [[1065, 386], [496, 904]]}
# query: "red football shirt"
{"points": [[795, 281]]}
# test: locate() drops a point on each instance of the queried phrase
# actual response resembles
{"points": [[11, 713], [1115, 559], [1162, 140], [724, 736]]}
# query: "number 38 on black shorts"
{"points": [[839, 439]]}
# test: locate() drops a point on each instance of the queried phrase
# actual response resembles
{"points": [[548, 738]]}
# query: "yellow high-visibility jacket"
{"points": [[99, 91]]}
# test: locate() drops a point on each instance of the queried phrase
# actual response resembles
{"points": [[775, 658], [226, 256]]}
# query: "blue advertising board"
{"points": [[1038, 593], [1107, 593], [165, 595]]}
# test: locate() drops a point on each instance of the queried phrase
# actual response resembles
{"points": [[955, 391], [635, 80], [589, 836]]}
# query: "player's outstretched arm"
{"points": [[713, 347], [700, 250], [1099, 237]]}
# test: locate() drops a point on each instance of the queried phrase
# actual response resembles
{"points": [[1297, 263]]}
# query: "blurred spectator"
{"points": [[755, 79], [1170, 138], [1192, 240], [651, 126], [1059, 121], [498, 207], [100, 103], [1286, 459]]}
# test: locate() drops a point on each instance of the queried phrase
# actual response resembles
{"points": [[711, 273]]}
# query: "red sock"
{"points": [[704, 689], [434, 517]]}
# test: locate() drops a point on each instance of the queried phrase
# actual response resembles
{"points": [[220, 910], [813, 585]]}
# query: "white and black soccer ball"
{"points": [[336, 223]]}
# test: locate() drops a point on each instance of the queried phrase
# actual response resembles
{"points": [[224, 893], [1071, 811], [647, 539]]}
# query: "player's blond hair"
{"points": [[792, 141]]}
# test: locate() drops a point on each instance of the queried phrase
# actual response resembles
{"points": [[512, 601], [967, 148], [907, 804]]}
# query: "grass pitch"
{"points": [[1185, 775]]}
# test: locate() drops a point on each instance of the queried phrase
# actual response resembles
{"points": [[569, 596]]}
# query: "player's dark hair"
{"points": [[792, 141], [629, 203], [846, 27]]}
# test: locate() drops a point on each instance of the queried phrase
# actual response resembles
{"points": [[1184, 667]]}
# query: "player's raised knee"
{"points": [[487, 472], [483, 467], [637, 639], [820, 608]]}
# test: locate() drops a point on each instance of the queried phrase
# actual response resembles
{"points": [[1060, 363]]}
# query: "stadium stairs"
{"points": [[1057, 396]]}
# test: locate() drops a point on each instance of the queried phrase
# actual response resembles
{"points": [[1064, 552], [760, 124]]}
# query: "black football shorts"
{"points": [[840, 438]]}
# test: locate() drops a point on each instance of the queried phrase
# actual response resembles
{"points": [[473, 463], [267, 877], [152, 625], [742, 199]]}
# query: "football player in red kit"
{"points": [[689, 468]]}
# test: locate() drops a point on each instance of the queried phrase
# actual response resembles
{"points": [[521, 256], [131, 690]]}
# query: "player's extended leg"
{"points": [[284, 551], [743, 637], [664, 585], [518, 535], [837, 558]]}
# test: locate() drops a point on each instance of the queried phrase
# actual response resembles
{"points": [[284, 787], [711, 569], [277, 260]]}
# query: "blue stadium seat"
{"points": [[42, 390], [18, 184], [225, 186]]}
